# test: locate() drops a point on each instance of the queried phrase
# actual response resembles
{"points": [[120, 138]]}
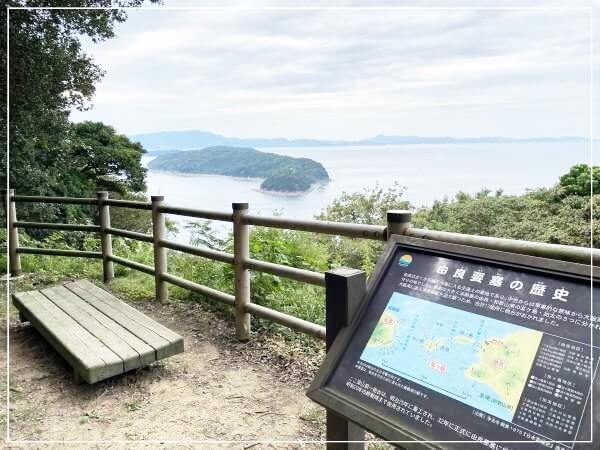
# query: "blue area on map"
{"points": [[419, 322]]}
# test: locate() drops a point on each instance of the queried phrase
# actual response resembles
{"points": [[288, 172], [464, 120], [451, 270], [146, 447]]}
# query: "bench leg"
{"points": [[77, 378], [22, 318]]}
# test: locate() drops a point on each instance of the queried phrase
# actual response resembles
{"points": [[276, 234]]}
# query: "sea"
{"points": [[428, 172]]}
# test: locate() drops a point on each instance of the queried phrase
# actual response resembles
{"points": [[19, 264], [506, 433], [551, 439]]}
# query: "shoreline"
{"points": [[195, 174], [246, 179], [313, 187]]}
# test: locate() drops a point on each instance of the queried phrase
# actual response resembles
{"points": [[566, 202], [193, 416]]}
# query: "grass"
{"points": [[294, 249], [89, 416], [134, 285], [314, 415], [133, 405]]}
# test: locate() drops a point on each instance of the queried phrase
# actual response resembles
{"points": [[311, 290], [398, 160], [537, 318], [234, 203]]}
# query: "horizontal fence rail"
{"points": [[126, 204], [580, 255], [58, 226], [130, 234], [398, 223], [200, 289], [285, 319], [63, 200], [376, 232], [196, 213], [203, 252], [58, 252], [305, 276], [132, 264]]}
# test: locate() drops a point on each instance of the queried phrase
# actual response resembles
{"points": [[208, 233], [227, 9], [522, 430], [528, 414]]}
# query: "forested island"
{"points": [[279, 173]]}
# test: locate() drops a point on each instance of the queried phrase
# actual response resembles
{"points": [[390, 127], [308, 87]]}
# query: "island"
{"points": [[280, 174]]}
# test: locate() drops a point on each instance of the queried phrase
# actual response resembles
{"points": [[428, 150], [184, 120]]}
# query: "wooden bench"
{"points": [[97, 334]]}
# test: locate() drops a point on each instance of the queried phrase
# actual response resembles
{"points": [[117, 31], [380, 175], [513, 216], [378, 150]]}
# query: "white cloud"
{"points": [[347, 73]]}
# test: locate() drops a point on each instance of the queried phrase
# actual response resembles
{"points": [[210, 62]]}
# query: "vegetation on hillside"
{"points": [[280, 173], [559, 214], [50, 74], [286, 181]]}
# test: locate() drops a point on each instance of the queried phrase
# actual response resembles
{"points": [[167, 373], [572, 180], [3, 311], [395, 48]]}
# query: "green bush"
{"points": [[544, 215]]}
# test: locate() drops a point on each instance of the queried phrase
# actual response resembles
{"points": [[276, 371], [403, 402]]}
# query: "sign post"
{"points": [[454, 345], [344, 290]]}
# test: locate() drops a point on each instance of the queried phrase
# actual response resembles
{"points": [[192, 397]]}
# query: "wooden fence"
{"points": [[398, 222]]}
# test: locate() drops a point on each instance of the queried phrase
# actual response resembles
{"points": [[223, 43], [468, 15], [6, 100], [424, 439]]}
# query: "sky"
{"points": [[347, 73]]}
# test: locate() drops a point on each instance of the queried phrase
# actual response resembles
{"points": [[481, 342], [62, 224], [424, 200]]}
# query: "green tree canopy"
{"points": [[580, 180], [368, 206], [108, 160], [561, 214], [50, 74]]}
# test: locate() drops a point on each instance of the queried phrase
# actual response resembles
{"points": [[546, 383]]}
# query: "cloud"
{"points": [[346, 73]]}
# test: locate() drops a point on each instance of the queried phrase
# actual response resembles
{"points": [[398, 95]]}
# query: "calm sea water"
{"points": [[429, 172]]}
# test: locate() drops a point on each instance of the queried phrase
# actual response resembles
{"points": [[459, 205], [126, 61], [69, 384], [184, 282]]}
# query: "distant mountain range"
{"points": [[194, 139]]}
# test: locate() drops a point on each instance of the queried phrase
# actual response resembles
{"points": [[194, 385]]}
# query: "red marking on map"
{"points": [[497, 342], [387, 320], [440, 367], [498, 363]]}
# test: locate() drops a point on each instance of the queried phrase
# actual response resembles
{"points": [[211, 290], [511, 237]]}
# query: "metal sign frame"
{"points": [[367, 417]]}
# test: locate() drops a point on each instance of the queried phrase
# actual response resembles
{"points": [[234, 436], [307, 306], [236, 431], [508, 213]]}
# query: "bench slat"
{"points": [[88, 356], [134, 352], [126, 309], [87, 340], [161, 345], [105, 301]]}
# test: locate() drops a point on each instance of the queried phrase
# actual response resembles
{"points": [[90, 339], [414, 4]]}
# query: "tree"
{"points": [[545, 215], [580, 179], [49, 75], [368, 206], [561, 214], [106, 159]]}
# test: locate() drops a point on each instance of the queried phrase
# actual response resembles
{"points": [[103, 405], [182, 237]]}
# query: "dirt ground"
{"points": [[218, 390]]}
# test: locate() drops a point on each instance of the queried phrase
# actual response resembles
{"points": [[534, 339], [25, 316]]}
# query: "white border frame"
{"points": [[590, 9]]}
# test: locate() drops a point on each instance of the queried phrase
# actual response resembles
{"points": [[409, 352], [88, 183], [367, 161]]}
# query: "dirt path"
{"points": [[218, 390]]}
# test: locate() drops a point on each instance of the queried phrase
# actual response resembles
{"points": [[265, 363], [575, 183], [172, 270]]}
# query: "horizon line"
{"points": [[379, 135]]}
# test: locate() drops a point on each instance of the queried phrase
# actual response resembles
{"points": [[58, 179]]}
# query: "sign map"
{"points": [[479, 361]]}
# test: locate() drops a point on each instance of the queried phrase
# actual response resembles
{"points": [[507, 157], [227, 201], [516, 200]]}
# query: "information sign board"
{"points": [[455, 344]]}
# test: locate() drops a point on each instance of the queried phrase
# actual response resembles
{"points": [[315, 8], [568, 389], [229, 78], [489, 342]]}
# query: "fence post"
{"points": [[159, 232], [14, 259], [241, 253], [344, 290], [398, 221], [105, 238]]}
